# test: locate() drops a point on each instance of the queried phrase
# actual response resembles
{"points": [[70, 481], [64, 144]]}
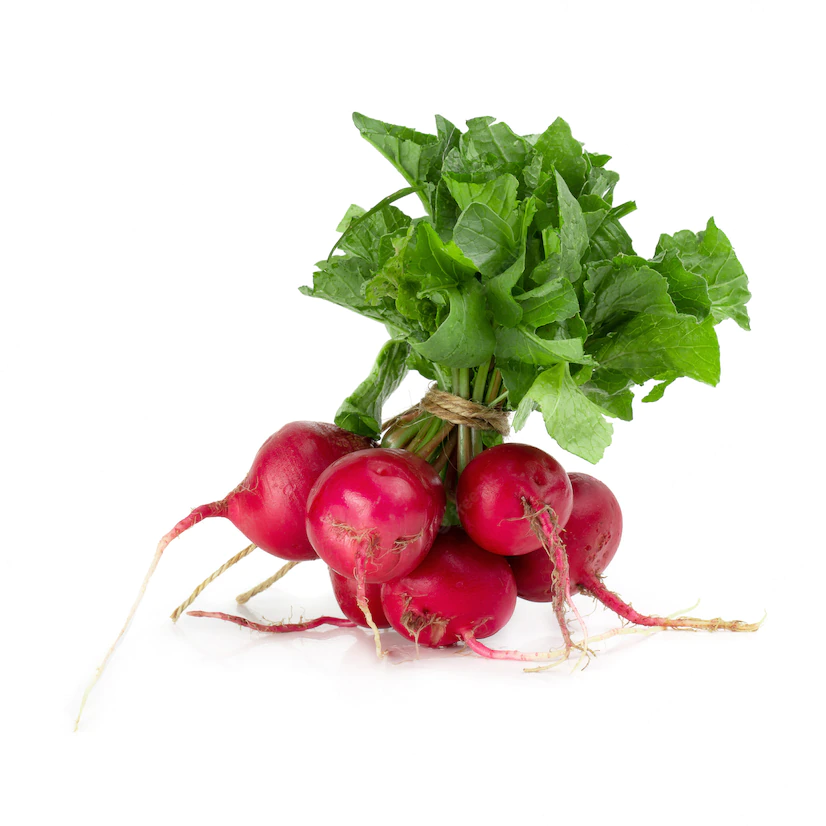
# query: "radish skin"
{"points": [[459, 591]]}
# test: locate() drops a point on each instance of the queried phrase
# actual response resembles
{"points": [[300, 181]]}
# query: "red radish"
{"points": [[502, 488], [513, 499], [459, 593], [592, 536], [373, 516], [268, 507], [345, 589]]}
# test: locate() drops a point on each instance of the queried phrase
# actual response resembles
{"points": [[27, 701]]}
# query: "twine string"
{"points": [[457, 411]]}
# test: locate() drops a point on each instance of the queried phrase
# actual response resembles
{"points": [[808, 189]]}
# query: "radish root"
{"points": [[175, 615], [276, 627], [241, 599], [197, 515], [361, 598], [543, 520], [592, 585]]}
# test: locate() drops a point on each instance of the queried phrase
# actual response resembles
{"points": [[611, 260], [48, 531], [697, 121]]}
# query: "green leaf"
{"points": [[567, 240], [532, 172], [607, 236], [619, 292], [341, 280], [440, 264], [649, 345], [550, 302], [611, 392], [576, 423], [465, 338], [518, 378], [711, 255], [363, 236], [498, 140], [353, 211], [485, 238], [385, 219], [601, 182], [562, 152], [499, 289], [658, 390], [361, 412], [412, 153], [688, 291], [422, 366], [498, 194], [523, 344]]}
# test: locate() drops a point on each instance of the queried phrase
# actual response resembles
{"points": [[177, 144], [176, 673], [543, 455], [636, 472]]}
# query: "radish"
{"points": [[268, 507], [503, 489], [373, 515], [345, 589], [459, 593], [592, 536], [514, 499]]}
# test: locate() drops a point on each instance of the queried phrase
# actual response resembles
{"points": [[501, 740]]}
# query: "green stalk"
{"points": [[493, 389], [428, 450], [478, 396], [429, 425], [462, 388], [402, 434]]}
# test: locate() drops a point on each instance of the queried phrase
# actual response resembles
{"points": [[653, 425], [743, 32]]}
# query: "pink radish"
{"points": [[268, 507], [458, 593], [503, 488], [373, 516], [345, 589], [592, 536], [514, 499]]}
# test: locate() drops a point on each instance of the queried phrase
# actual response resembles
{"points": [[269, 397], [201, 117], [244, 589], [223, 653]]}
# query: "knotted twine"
{"points": [[457, 411]]}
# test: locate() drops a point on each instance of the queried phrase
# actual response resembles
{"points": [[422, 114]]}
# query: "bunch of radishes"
{"points": [[518, 291], [374, 515]]}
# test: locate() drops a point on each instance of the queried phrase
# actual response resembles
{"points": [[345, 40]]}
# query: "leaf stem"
{"points": [[462, 388], [479, 383], [491, 398]]}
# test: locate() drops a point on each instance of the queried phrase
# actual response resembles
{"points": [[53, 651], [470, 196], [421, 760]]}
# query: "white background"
{"points": [[169, 173]]}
